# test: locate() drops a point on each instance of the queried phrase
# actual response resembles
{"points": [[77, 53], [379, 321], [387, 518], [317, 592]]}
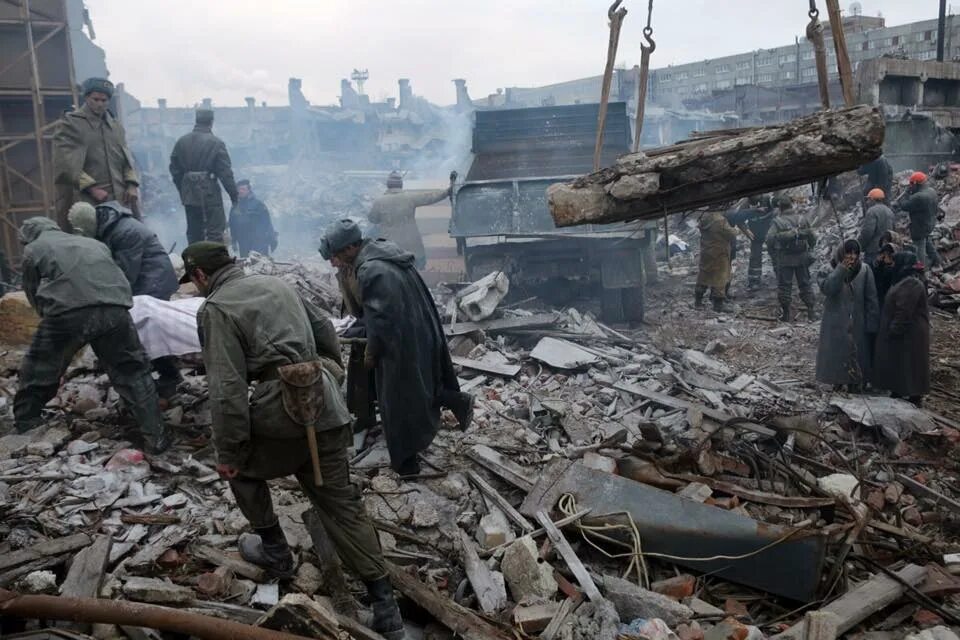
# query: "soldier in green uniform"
{"points": [[256, 328], [91, 161], [198, 161], [790, 241]]}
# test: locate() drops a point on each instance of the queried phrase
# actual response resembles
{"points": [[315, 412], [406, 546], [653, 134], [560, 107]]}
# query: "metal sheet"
{"points": [[673, 525]]}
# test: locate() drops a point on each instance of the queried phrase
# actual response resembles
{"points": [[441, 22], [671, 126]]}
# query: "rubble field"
{"points": [[682, 479]]}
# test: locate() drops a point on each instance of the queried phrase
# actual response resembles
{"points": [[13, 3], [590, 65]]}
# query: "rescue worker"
{"points": [[198, 161], [257, 328], [790, 241], [406, 345], [921, 202], [82, 297], [902, 363], [877, 220], [91, 160], [716, 234], [879, 175], [851, 315], [395, 214], [144, 262], [250, 225]]}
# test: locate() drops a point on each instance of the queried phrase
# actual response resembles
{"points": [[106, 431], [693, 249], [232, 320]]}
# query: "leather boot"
{"points": [[408, 467], [462, 407], [386, 614], [720, 306], [811, 313], [268, 548], [784, 313], [159, 443], [698, 294]]}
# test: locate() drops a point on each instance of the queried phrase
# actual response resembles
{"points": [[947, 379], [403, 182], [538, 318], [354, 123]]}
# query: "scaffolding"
{"points": [[37, 85]]}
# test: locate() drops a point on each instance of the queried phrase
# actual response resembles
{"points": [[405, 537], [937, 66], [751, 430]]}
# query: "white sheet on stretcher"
{"points": [[167, 328]]}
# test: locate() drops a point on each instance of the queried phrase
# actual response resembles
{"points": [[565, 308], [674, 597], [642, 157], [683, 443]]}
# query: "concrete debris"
{"points": [[527, 575], [632, 602], [156, 591], [479, 300]]}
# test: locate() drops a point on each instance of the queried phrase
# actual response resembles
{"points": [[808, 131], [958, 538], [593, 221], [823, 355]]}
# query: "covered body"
{"points": [[406, 340]]}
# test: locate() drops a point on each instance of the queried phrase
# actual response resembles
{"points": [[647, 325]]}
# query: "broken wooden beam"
{"points": [[85, 576], [862, 601], [494, 496], [221, 559], [570, 557], [462, 621], [488, 585], [922, 490], [330, 567], [500, 465], [121, 612], [722, 166], [41, 550]]}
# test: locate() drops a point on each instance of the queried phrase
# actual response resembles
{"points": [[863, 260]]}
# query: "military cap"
{"points": [[99, 85], [243, 183], [204, 116], [395, 180], [338, 236], [206, 255]]}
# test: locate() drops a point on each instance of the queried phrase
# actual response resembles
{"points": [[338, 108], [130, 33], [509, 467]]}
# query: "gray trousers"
{"points": [[110, 332], [926, 251], [206, 222]]}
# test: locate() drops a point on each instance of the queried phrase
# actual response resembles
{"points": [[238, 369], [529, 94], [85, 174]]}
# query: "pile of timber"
{"points": [[723, 166]]}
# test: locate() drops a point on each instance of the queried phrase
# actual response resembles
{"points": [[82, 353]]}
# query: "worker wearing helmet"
{"points": [[922, 203], [877, 220]]}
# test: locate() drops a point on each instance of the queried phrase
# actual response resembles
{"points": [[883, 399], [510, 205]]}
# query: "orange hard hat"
{"points": [[876, 194], [918, 177]]}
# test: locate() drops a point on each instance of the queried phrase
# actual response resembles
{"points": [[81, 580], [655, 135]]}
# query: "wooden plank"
{"points": [[330, 567], [501, 502], [11, 575], [503, 325], [238, 565], [501, 466], [487, 585], [148, 554], [927, 492], [41, 550], [567, 607], [862, 601], [462, 621], [85, 576], [493, 368], [570, 557], [685, 405]]}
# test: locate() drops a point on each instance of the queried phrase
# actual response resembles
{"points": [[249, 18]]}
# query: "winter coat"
{"points": [[791, 239], [876, 221], [883, 279], [850, 313], [249, 326], [406, 340], [903, 342], [90, 150], [716, 235], [250, 226], [395, 213], [137, 252], [922, 205], [63, 272], [879, 175], [198, 160]]}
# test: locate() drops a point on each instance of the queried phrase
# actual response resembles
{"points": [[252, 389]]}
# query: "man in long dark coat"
{"points": [[250, 226], [903, 342], [406, 345]]}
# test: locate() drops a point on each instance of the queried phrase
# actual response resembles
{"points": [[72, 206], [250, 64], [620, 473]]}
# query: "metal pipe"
{"points": [[121, 612], [941, 29]]}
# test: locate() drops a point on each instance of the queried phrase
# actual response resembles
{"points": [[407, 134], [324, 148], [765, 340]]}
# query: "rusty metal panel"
{"points": [[676, 526]]}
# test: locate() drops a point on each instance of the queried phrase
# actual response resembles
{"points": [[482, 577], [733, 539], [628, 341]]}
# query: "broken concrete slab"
{"points": [[534, 618], [562, 354], [494, 530], [896, 419], [525, 572], [633, 601], [156, 591]]}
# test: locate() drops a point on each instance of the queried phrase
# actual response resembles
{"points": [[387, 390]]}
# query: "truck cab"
{"points": [[501, 220]]}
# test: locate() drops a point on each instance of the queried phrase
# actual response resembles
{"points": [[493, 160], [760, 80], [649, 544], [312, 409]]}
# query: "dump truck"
{"points": [[501, 221]]}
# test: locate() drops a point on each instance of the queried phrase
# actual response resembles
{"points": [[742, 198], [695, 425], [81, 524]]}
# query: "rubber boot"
{"points": [[811, 313], [784, 313], [268, 548], [386, 614]]}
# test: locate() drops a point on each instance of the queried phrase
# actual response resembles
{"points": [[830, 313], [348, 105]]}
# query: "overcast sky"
{"points": [[228, 49]]}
